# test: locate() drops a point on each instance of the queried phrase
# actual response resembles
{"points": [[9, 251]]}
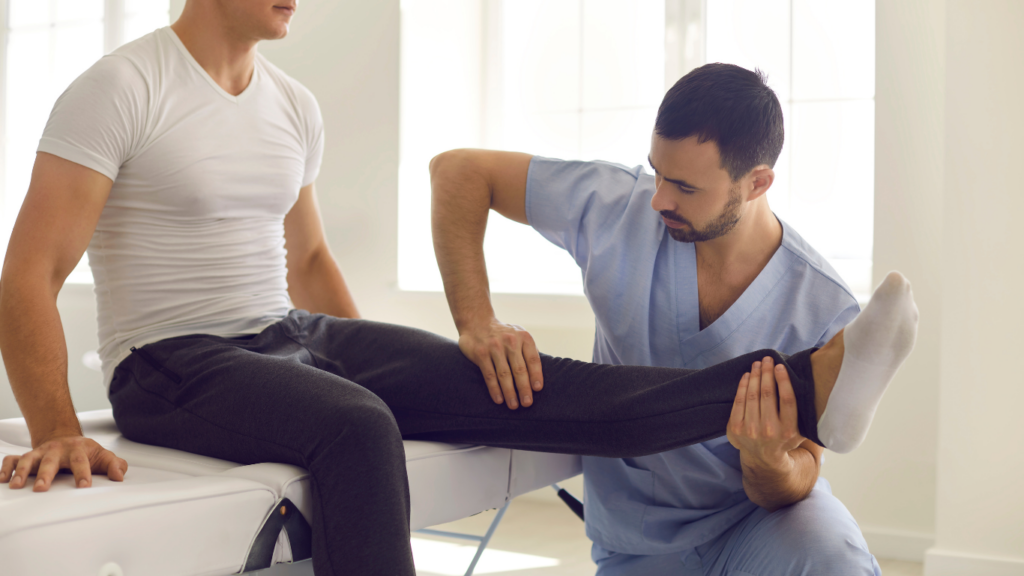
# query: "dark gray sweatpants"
{"points": [[337, 397]]}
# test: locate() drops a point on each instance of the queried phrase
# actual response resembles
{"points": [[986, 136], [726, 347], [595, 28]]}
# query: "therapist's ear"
{"points": [[760, 179]]}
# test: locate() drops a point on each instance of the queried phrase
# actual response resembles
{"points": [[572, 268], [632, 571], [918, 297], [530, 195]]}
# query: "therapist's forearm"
{"points": [[780, 484], [35, 356], [460, 203]]}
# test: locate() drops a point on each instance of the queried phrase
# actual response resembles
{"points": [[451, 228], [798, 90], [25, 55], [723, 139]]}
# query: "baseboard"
{"points": [[940, 562], [897, 544]]}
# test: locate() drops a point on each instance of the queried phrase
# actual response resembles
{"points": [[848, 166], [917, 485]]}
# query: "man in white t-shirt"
{"points": [[185, 163]]}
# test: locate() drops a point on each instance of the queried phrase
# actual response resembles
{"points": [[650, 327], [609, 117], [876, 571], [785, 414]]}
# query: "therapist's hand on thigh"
{"points": [[82, 456], [508, 359]]}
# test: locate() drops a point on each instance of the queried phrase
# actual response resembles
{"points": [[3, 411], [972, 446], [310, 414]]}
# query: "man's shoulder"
{"points": [[816, 267], [610, 174], [594, 188], [301, 98], [147, 55]]}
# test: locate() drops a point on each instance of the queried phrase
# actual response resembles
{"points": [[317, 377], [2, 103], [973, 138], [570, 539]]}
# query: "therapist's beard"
{"points": [[720, 226]]}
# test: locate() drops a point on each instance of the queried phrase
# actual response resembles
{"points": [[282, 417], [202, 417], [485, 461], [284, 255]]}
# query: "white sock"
{"points": [[876, 343]]}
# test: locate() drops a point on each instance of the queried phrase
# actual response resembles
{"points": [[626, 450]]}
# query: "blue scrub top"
{"points": [[642, 286]]}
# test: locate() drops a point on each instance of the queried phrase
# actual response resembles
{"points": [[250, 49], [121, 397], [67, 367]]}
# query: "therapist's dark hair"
{"points": [[730, 106]]}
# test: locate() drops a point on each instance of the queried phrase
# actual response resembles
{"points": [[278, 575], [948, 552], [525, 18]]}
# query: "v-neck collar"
{"points": [[209, 79], [694, 342]]}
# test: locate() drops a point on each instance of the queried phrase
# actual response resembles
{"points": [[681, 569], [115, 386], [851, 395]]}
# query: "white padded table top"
{"points": [[180, 513]]}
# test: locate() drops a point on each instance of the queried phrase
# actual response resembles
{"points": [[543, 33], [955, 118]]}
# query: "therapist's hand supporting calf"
{"points": [[780, 467]]}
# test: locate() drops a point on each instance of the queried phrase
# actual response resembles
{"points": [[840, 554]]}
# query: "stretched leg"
{"points": [[591, 409], [258, 401], [614, 411]]}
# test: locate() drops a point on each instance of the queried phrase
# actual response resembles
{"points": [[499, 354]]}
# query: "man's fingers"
{"points": [[81, 468], [752, 413], [769, 407], [48, 468], [521, 376], [115, 467], [491, 379], [787, 402], [533, 364], [26, 465], [738, 405], [508, 387], [7, 467], [486, 365]]}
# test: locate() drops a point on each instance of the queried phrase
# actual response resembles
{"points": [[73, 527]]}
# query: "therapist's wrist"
{"points": [[475, 319]]}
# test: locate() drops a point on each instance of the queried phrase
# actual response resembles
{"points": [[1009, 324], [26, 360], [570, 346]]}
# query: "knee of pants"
{"points": [[815, 536], [368, 427]]}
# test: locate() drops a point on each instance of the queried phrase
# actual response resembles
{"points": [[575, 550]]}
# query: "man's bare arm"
{"points": [[315, 282], [57, 219], [466, 185]]}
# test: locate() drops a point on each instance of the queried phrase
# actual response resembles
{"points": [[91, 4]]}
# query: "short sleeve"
{"points": [[845, 317], [99, 120], [568, 201], [314, 124]]}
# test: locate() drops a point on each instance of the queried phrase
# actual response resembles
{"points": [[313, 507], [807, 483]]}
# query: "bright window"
{"points": [[559, 78], [583, 78], [820, 60], [49, 43]]}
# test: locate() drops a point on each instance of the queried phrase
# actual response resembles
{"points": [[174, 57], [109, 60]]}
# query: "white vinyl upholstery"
{"points": [[178, 513]]}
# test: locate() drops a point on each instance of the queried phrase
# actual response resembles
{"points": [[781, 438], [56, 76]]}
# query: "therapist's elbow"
{"points": [[454, 164]]}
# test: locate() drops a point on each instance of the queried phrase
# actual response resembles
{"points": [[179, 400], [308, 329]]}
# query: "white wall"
{"points": [[980, 505], [889, 482]]}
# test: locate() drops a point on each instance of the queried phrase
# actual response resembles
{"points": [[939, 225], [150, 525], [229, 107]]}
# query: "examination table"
{"points": [[181, 514]]}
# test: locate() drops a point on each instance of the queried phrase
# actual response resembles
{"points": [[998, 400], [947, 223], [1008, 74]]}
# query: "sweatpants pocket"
{"points": [[156, 364]]}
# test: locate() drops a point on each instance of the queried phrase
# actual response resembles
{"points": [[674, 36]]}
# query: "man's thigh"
{"points": [[244, 400], [815, 536]]}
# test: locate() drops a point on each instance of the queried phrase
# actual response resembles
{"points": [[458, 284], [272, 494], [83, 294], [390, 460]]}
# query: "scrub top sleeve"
{"points": [[98, 122], [568, 201], [840, 321]]}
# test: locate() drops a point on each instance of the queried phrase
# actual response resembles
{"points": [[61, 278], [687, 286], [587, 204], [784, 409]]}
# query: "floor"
{"points": [[536, 538]]}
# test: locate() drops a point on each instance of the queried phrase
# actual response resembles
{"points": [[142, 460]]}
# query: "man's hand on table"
{"points": [[508, 359], [76, 453], [779, 465]]}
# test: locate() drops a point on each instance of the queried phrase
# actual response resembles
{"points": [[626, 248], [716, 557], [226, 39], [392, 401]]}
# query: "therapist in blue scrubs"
{"points": [[684, 268]]}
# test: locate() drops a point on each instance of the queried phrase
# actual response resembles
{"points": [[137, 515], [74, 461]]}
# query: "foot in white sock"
{"points": [[874, 346]]}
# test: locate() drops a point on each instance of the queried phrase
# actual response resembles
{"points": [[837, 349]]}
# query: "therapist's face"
{"points": [[258, 19], [695, 196]]}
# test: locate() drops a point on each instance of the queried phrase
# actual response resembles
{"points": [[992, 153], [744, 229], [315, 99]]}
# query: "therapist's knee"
{"points": [[821, 537]]}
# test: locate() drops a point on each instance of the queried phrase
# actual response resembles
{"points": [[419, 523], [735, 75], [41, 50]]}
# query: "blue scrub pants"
{"points": [[814, 537]]}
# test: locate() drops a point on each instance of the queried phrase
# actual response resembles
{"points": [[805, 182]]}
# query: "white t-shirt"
{"points": [[191, 239]]}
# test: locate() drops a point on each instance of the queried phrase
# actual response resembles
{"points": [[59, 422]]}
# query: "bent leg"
{"points": [[256, 400], [436, 393], [814, 536]]}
